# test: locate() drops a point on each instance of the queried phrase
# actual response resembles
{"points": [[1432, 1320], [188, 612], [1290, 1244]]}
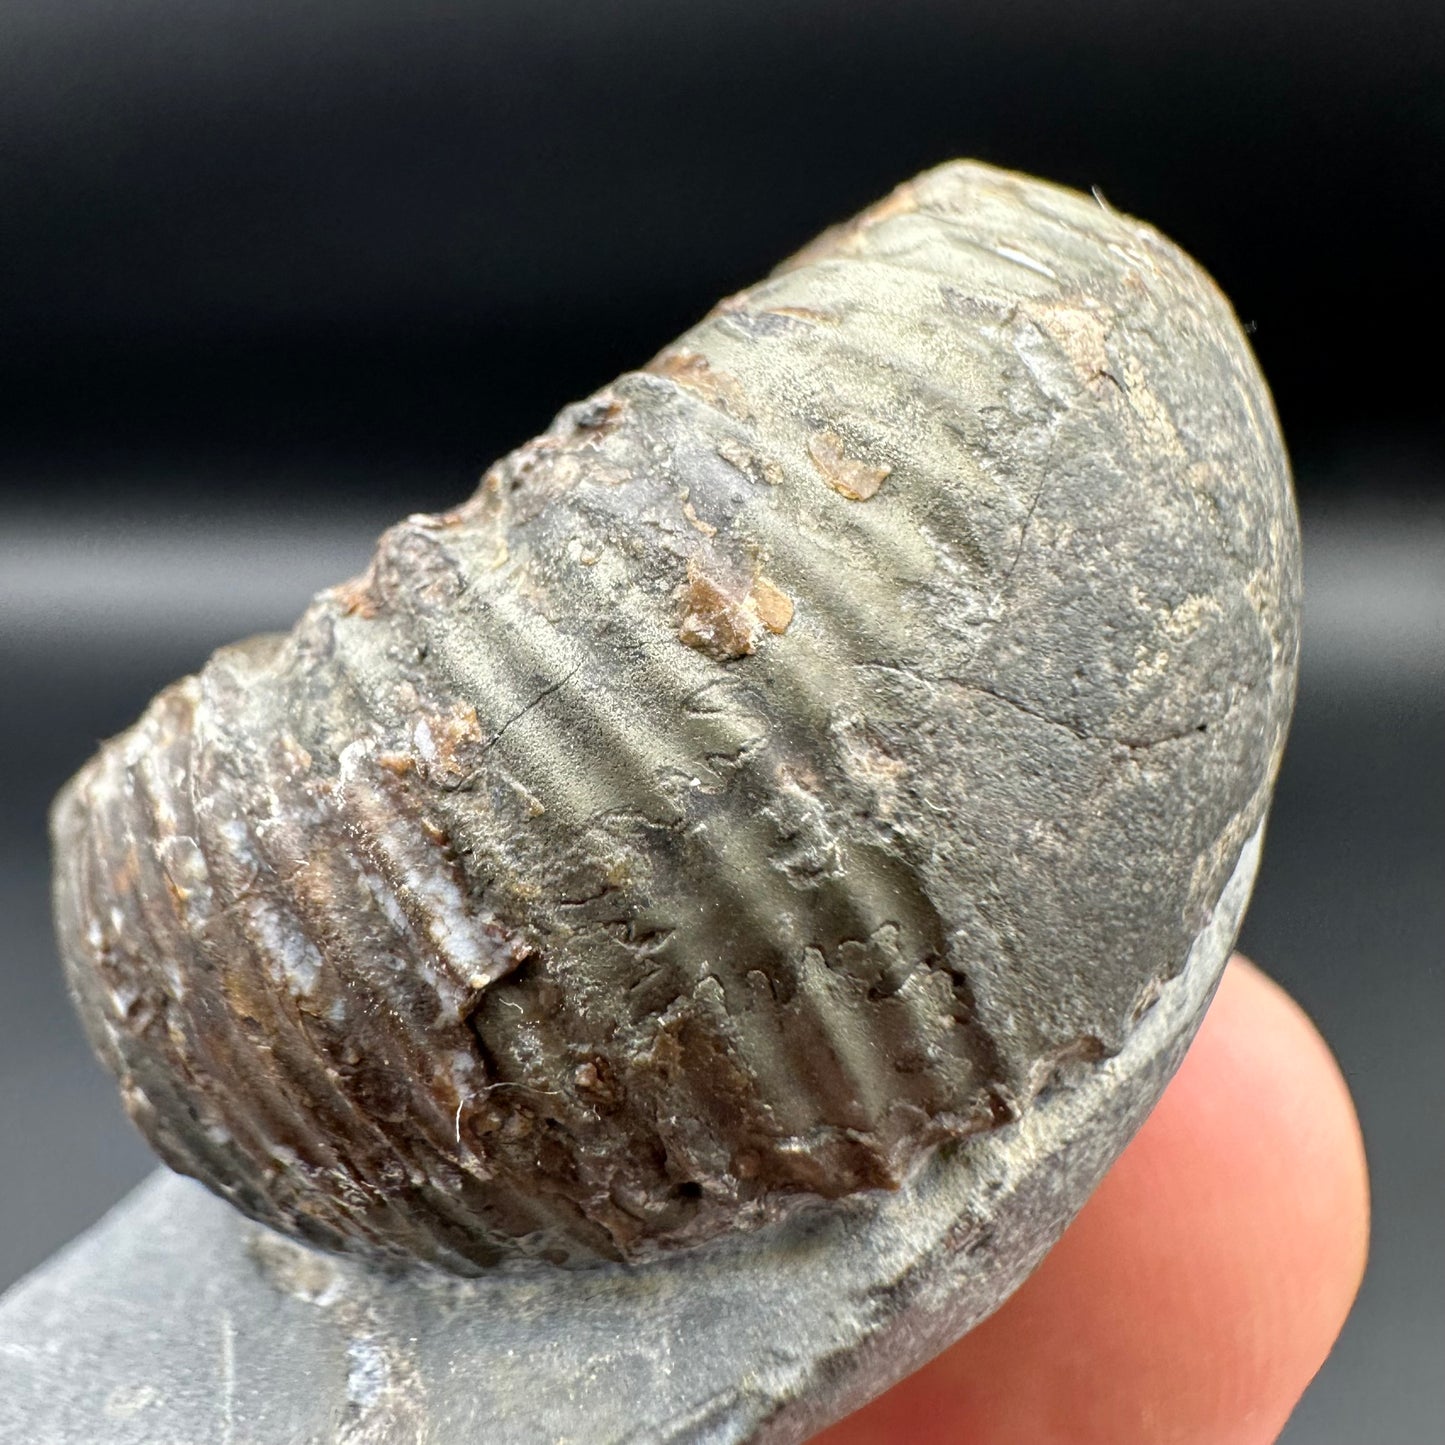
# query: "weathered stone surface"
{"points": [[177, 1320]]}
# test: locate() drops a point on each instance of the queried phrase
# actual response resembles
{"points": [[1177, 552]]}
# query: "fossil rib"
{"points": [[814, 747]]}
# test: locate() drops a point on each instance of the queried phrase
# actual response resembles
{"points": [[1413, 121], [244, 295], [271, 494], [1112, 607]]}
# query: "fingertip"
{"points": [[1204, 1283], [1264, 1096]]}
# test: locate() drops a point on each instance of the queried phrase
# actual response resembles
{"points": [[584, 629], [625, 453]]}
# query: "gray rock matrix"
{"points": [[177, 1322], [786, 826]]}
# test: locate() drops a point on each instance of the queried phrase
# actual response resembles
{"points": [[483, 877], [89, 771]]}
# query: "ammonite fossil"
{"points": [[814, 747]]}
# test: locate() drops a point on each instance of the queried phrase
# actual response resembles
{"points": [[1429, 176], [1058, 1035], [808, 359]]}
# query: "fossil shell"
{"points": [[813, 747]]}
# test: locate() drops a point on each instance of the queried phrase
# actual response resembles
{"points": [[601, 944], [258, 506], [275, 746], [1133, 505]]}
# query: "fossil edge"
{"points": [[819, 747]]}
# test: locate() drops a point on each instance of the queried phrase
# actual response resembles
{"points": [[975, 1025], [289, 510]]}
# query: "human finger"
{"points": [[1203, 1284]]}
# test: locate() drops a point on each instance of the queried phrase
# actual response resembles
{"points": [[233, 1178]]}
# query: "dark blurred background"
{"points": [[272, 275]]}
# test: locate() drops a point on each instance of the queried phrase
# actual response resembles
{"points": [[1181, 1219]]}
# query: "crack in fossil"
{"points": [[1028, 520], [1083, 734], [516, 717]]}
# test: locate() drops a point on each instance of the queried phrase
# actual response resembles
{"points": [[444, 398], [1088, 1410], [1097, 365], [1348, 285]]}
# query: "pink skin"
{"points": [[1204, 1283]]}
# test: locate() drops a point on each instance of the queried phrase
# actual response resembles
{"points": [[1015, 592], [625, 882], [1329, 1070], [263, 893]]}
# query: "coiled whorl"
{"points": [[809, 749]]}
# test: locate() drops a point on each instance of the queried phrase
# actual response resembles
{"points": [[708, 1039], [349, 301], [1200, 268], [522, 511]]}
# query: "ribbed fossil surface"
{"points": [[811, 748]]}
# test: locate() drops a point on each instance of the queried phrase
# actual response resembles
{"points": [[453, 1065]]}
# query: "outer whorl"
{"points": [[811, 748]]}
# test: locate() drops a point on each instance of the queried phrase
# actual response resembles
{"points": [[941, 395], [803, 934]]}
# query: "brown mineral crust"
{"points": [[691, 369], [716, 619], [856, 480], [725, 616]]}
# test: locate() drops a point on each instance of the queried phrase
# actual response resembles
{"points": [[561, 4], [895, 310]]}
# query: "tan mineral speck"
{"points": [[856, 480], [724, 617], [1082, 334], [355, 597], [773, 606], [847, 238], [692, 370], [443, 739], [810, 314], [900, 201], [752, 465], [706, 528], [1155, 421], [716, 619]]}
